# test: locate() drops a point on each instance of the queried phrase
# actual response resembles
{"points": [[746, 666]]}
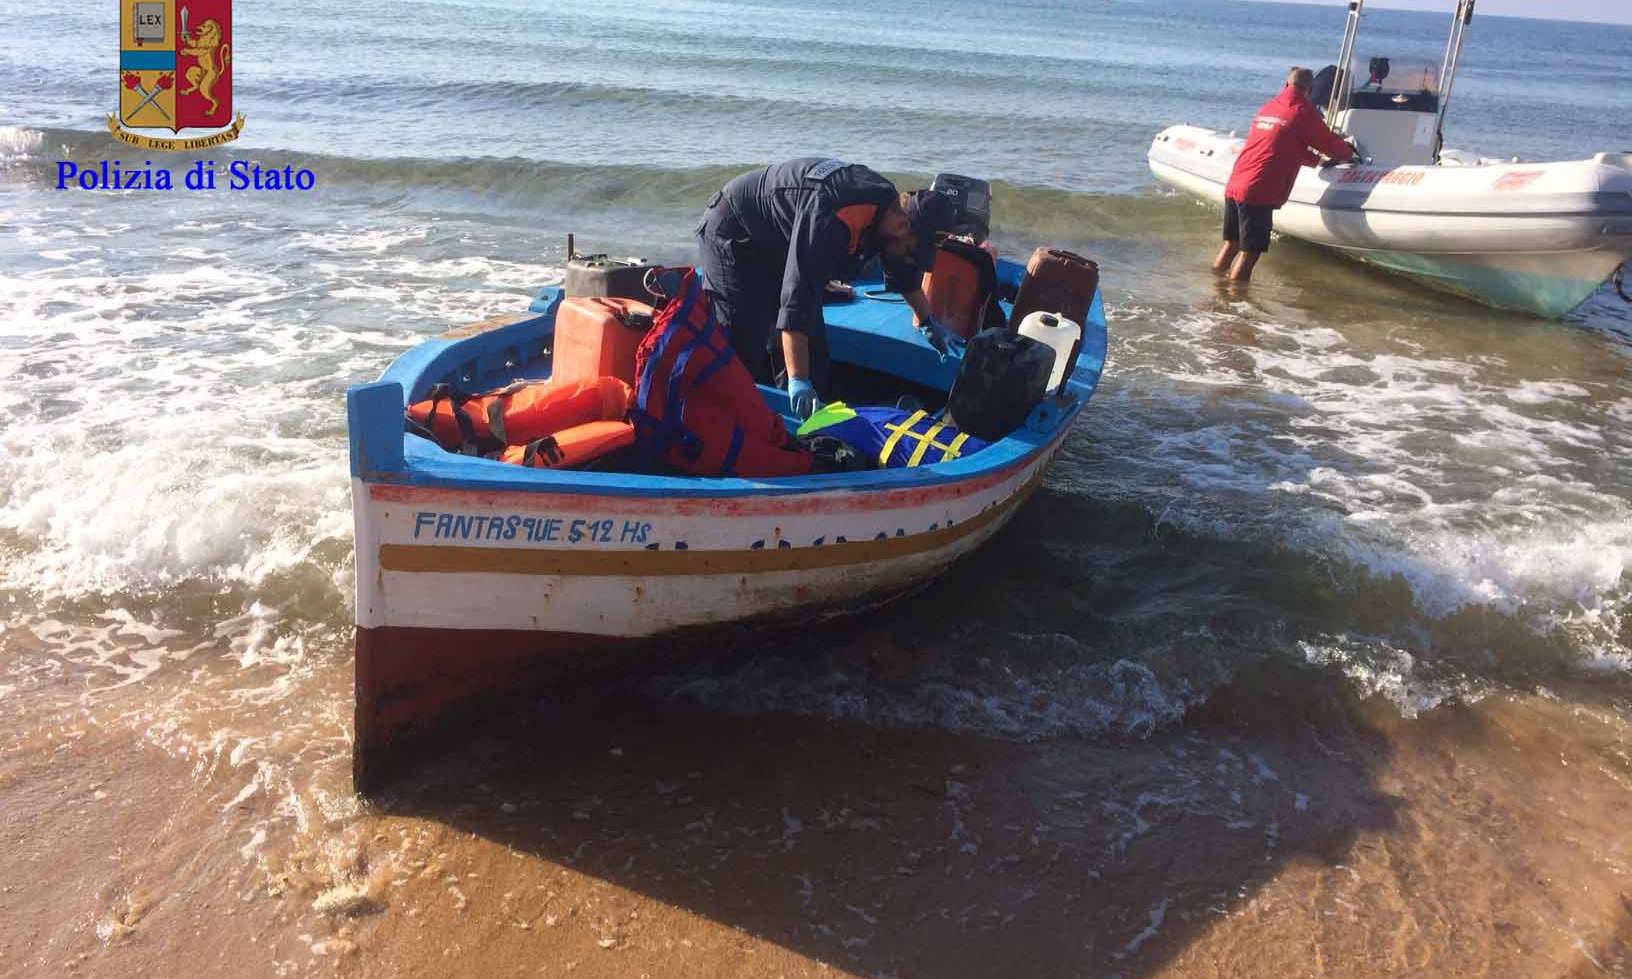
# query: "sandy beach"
{"points": [[1285, 829]]}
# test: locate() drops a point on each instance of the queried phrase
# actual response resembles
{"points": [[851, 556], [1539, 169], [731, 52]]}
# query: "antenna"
{"points": [[1447, 73], [1340, 84]]}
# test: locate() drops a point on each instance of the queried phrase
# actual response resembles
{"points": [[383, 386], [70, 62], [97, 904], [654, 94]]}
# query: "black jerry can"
{"points": [[1002, 378]]}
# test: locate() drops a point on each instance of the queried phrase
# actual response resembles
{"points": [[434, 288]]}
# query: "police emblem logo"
{"points": [[175, 72]]}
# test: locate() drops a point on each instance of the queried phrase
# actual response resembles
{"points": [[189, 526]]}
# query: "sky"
{"points": [[1604, 11]]}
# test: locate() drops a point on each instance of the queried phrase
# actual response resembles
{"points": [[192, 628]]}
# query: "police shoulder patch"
{"points": [[825, 169]]}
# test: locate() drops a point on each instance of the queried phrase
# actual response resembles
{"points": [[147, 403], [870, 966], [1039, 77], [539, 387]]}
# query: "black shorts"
{"points": [[1248, 225]]}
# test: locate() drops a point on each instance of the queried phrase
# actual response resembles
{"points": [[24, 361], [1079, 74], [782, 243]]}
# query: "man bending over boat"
{"points": [[772, 239], [1284, 132]]}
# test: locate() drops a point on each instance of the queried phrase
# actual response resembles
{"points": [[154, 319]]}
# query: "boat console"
{"points": [[1392, 111]]}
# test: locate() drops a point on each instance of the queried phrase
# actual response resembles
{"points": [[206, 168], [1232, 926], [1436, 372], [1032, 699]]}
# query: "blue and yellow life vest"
{"points": [[892, 438]]}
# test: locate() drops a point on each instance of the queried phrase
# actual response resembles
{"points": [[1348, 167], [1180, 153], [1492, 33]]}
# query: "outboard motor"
{"points": [[1379, 72], [973, 199], [1321, 93]]}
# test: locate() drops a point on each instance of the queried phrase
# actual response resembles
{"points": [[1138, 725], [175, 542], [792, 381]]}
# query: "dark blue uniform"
{"points": [[772, 239]]}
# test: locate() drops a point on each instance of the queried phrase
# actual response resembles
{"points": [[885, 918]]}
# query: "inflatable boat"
{"points": [[1534, 237], [476, 579]]}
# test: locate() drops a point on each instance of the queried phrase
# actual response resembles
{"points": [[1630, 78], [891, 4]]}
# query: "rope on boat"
{"points": [[1619, 278]]}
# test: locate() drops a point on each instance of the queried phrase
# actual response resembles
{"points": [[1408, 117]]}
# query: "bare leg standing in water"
{"points": [[1245, 239], [1243, 262], [1241, 271]]}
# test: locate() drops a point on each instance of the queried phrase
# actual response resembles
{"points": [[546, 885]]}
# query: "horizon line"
{"points": [[1446, 7]]}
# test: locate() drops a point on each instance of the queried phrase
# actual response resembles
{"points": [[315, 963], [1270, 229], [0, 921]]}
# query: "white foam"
{"points": [[1377, 667], [1561, 572], [355, 241], [1156, 916], [134, 456], [1472, 486], [19, 143], [174, 445], [1081, 698], [1543, 392]]}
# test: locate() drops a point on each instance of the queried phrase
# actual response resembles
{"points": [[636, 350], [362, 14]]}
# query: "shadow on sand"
{"points": [[892, 852]]}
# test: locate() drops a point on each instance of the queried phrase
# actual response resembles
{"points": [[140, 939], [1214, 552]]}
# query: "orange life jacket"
{"points": [[572, 447], [518, 414]]}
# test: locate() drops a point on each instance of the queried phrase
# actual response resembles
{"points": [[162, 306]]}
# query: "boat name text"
{"points": [[470, 527], [1516, 179], [1409, 178]]}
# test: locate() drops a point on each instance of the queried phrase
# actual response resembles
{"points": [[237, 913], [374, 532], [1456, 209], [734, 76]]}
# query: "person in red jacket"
{"points": [[1283, 133]]}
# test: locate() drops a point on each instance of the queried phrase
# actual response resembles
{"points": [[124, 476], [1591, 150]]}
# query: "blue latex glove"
{"points": [[802, 394], [939, 337]]}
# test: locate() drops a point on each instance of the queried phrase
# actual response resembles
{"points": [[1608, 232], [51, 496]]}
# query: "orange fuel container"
{"points": [[961, 286], [596, 336]]}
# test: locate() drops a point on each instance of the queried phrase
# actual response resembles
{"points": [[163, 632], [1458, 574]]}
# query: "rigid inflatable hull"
{"points": [[1538, 238]]}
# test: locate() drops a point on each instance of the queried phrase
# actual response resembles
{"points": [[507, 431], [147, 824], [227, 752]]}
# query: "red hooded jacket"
{"points": [[1282, 132]]}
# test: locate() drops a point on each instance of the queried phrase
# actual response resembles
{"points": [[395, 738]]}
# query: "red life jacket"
{"points": [[696, 407]]}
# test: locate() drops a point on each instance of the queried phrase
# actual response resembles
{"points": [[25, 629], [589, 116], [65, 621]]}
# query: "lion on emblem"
{"points": [[203, 45]]}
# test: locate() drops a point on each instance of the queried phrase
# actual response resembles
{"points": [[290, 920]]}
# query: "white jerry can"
{"points": [[1058, 332]]}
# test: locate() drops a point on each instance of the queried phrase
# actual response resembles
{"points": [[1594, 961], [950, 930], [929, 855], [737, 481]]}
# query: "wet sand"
{"points": [[1283, 829]]}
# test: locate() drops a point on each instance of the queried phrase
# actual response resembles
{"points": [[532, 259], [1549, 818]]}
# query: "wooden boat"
{"points": [[477, 579]]}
